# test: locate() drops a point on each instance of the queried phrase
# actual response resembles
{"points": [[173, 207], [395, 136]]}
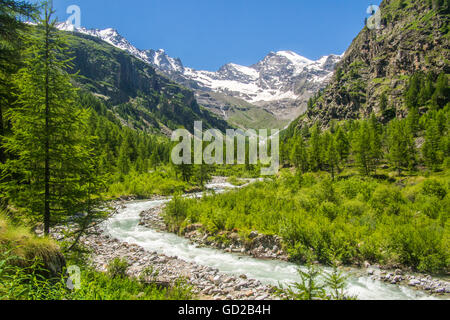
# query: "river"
{"points": [[124, 226]]}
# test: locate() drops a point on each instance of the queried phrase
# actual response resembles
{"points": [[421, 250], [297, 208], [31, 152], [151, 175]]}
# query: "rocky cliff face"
{"points": [[413, 37]]}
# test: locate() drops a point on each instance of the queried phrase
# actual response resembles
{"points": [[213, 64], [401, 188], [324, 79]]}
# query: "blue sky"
{"points": [[206, 34]]}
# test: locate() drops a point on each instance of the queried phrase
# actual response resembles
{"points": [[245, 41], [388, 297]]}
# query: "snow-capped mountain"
{"points": [[282, 82]]}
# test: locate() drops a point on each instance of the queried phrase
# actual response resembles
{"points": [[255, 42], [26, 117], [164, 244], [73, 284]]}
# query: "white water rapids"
{"points": [[124, 226]]}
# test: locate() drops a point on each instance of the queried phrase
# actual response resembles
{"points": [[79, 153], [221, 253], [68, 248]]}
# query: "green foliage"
{"points": [[117, 268], [352, 219], [100, 286], [434, 188], [362, 149], [402, 153], [336, 283], [175, 211], [316, 284], [235, 181], [146, 185], [24, 273], [29, 283], [12, 13], [427, 90]]}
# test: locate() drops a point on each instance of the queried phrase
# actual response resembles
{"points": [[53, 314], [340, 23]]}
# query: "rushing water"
{"points": [[125, 227]]}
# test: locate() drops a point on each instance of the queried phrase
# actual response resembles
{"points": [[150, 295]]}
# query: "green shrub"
{"points": [[117, 268], [386, 199], [433, 187]]}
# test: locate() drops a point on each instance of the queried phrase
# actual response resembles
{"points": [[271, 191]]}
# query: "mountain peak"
{"points": [[294, 57], [109, 31]]}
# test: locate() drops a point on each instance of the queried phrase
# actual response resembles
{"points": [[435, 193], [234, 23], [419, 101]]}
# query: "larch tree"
{"points": [[332, 157], [342, 144], [362, 149], [299, 156], [315, 149], [402, 153], [376, 148], [430, 150], [51, 173]]}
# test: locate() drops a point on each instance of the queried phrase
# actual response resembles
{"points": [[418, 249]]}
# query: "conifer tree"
{"points": [[441, 95], [185, 170], [154, 160], [332, 157], [315, 149], [203, 173], [299, 156], [342, 144], [123, 161], [402, 151], [426, 91], [376, 152], [52, 158], [430, 149], [412, 94], [383, 102], [413, 119], [362, 148]]}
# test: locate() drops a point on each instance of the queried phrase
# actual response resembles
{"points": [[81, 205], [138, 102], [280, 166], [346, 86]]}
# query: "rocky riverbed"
{"points": [[207, 282], [420, 282]]}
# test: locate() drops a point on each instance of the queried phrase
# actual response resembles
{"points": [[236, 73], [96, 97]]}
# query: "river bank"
{"points": [[270, 247], [207, 282]]}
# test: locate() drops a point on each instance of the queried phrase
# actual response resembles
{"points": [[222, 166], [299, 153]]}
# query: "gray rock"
{"points": [[413, 282], [253, 234]]}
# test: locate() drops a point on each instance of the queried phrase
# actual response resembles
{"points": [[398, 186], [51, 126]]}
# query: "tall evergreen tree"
{"points": [[342, 144], [315, 149], [376, 152], [203, 173], [402, 151], [383, 102], [426, 90], [413, 120], [332, 157], [430, 149], [50, 147], [412, 93], [441, 95], [299, 156], [362, 149]]}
